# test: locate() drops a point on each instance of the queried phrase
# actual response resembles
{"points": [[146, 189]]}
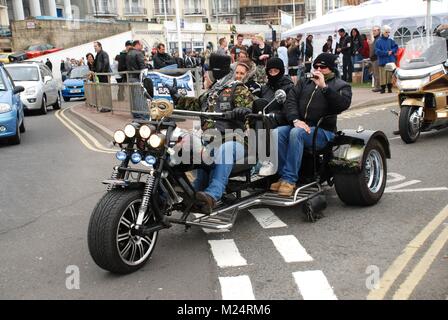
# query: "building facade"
{"points": [[268, 11], [222, 11]]}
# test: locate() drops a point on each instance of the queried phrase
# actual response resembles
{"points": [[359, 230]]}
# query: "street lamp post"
{"points": [[217, 22], [428, 19], [179, 40], [293, 13]]}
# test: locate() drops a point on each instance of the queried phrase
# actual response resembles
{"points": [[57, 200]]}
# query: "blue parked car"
{"points": [[12, 122], [74, 84]]}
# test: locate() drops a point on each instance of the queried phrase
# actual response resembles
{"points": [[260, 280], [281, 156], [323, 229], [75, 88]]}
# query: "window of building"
{"points": [[159, 6], [420, 32], [402, 36]]}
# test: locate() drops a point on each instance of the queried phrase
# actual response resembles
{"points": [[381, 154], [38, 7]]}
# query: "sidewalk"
{"points": [[364, 97], [106, 123]]}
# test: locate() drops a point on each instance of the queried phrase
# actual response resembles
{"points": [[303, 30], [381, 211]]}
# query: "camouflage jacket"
{"points": [[208, 102]]}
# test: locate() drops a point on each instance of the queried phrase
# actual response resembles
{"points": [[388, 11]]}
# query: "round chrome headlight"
{"points": [[145, 132], [130, 131], [119, 136], [156, 140]]}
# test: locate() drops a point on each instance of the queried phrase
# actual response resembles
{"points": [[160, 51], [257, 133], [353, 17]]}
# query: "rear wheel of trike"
{"points": [[366, 187], [112, 242]]}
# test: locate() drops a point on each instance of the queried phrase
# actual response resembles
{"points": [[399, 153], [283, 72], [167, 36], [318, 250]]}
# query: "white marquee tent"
{"points": [[406, 17]]}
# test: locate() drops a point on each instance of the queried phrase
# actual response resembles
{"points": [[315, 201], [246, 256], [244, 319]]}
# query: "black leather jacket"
{"points": [[268, 93], [163, 60], [308, 103], [135, 61]]}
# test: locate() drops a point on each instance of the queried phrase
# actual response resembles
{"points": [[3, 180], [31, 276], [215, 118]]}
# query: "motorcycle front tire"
{"points": [[111, 240], [407, 134]]}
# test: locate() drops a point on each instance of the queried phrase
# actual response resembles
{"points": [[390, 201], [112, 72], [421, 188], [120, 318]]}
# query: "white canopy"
{"points": [[396, 13]]}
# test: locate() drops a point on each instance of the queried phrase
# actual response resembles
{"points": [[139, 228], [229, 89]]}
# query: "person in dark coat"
{"points": [[49, 64], [328, 46], [277, 79], [102, 64], [309, 51], [135, 61], [306, 104], [122, 67], [356, 46], [162, 59], [122, 60], [260, 51], [295, 57], [344, 47]]}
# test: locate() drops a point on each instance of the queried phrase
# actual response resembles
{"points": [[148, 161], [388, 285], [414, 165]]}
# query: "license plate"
{"points": [[75, 91]]}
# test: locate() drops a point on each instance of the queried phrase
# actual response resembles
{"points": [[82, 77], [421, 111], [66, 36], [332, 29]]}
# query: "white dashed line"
{"points": [[291, 249], [236, 288], [267, 219], [313, 285], [226, 253]]}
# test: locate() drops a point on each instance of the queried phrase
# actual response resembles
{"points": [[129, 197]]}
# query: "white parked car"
{"points": [[41, 88]]}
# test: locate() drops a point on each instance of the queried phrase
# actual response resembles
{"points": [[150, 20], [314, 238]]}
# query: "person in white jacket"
{"points": [[282, 52]]}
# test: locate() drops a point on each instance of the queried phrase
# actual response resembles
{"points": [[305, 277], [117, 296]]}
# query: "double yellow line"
{"points": [[408, 286], [86, 139]]}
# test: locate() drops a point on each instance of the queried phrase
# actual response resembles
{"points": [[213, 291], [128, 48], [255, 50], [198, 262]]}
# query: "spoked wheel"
{"points": [[112, 239], [366, 187], [409, 124]]}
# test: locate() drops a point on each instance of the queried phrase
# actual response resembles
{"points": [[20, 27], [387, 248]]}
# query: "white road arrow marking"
{"points": [[400, 188]]}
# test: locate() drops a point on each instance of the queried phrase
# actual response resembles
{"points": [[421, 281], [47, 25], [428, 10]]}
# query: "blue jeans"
{"points": [[293, 141], [226, 156]]}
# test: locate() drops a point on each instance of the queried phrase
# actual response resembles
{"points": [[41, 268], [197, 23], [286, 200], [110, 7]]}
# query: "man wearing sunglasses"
{"points": [[325, 94]]}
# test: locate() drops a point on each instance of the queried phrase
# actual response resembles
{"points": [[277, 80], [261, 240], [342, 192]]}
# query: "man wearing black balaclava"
{"points": [[325, 94], [235, 100], [275, 71]]}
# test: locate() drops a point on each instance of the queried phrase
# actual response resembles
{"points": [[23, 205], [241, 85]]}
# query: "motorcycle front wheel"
{"points": [[112, 241], [409, 124]]}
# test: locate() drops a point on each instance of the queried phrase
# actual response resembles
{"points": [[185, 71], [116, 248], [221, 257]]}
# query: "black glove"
{"points": [[237, 114]]}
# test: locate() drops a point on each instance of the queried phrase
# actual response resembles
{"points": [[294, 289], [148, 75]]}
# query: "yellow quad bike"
{"points": [[422, 80]]}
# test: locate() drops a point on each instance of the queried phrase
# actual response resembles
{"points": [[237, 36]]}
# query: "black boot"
{"points": [[389, 88], [383, 89]]}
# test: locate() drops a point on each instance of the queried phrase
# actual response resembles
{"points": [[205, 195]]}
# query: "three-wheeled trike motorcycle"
{"points": [[148, 193]]}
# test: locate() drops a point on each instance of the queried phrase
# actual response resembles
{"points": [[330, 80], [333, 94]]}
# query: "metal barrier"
{"points": [[127, 97]]}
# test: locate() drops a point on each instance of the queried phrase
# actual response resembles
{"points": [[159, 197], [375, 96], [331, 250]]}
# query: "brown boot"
{"points": [[206, 202], [286, 189], [276, 185]]}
